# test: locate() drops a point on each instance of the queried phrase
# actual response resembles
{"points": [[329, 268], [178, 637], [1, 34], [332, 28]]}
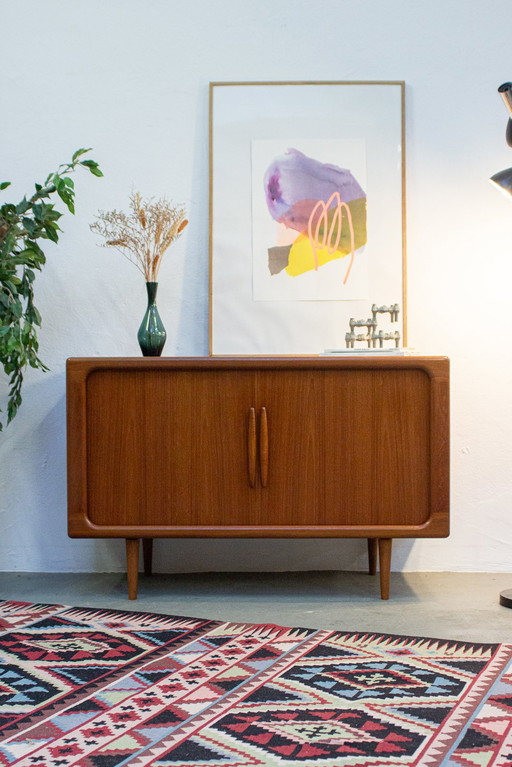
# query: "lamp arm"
{"points": [[508, 133], [505, 91]]}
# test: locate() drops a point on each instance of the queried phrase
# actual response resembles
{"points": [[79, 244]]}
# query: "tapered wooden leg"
{"points": [[385, 566], [132, 566], [147, 552], [372, 555]]}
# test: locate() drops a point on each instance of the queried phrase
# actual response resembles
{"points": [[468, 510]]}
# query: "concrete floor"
{"points": [[462, 606]]}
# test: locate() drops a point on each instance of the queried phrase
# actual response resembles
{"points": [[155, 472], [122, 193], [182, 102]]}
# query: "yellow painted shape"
{"points": [[301, 257]]}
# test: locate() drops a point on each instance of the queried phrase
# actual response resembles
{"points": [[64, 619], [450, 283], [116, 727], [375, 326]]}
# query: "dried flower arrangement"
{"points": [[144, 234]]}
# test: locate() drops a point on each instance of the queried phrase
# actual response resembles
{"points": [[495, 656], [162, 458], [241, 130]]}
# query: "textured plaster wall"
{"points": [[130, 78]]}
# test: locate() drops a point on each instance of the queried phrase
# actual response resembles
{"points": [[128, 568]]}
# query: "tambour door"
{"points": [[377, 447], [347, 447], [169, 447], [291, 439]]}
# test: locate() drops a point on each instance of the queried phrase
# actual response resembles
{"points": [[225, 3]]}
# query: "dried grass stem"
{"points": [[144, 234]]}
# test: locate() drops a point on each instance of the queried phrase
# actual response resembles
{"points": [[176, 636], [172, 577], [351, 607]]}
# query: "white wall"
{"points": [[130, 78]]}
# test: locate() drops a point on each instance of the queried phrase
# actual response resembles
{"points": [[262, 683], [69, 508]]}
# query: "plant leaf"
{"points": [[22, 206], [78, 153], [93, 167], [30, 226], [51, 231]]}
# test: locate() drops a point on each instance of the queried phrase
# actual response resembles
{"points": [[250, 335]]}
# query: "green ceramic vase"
{"points": [[151, 335]]}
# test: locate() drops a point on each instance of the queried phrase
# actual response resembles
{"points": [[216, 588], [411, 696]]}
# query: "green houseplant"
{"points": [[22, 226]]}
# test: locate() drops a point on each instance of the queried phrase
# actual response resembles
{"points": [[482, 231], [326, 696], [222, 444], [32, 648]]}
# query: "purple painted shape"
{"points": [[294, 183]]}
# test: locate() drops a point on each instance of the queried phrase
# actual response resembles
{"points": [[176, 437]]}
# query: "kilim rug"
{"points": [[101, 688]]}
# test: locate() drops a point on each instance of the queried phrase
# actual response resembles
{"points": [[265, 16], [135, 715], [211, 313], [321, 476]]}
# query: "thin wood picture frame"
{"points": [[307, 213]]}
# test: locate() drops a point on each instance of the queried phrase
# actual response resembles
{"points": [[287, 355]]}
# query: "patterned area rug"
{"points": [[98, 688]]}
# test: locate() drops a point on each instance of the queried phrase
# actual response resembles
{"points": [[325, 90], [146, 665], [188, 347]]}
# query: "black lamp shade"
{"points": [[503, 180]]}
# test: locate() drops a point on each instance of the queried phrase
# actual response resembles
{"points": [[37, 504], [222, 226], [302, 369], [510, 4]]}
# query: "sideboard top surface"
{"points": [[433, 365]]}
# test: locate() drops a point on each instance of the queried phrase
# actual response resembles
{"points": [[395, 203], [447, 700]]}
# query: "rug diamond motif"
{"points": [[377, 680], [343, 732]]}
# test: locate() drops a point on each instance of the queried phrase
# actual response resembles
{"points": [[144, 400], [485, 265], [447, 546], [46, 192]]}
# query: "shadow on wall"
{"points": [[33, 469], [192, 323], [265, 555]]}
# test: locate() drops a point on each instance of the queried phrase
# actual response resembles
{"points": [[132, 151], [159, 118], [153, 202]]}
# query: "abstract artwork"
{"points": [[308, 221], [321, 199], [306, 212]]}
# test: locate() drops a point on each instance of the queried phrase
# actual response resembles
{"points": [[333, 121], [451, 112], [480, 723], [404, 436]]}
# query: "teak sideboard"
{"points": [[288, 447]]}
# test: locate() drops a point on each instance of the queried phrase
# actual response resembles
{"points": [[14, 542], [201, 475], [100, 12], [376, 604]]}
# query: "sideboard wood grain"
{"points": [[285, 447]]}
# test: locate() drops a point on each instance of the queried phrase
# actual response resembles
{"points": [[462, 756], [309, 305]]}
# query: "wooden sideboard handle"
{"points": [[251, 447], [264, 447]]}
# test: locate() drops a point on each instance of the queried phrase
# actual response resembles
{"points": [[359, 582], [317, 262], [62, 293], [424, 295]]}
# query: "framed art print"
{"points": [[307, 213]]}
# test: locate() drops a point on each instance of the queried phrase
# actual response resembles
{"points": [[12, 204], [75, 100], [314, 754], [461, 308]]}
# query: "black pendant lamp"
{"points": [[503, 179]]}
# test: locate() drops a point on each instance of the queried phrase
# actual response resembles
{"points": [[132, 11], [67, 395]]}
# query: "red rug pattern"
{"points": [[103, 688]]}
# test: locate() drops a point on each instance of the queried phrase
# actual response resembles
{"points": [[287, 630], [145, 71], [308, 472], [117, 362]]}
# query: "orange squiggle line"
{"points": [[335, 230]]}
